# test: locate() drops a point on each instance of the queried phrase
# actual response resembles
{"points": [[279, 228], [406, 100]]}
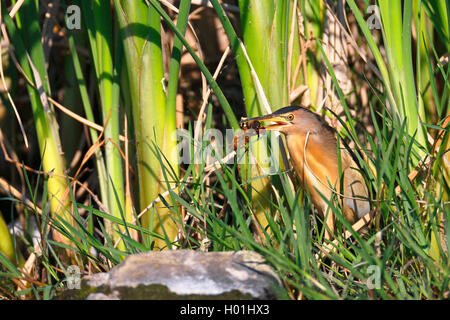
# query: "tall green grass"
{"points": [[406, 244], [25, 35]]}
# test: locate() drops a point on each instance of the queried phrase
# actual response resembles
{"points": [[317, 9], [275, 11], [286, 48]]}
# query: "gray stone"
{"points": [[185, 274]]}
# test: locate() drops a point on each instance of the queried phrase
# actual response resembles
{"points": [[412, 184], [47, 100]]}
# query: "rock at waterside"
{"points": [[183, 274]]}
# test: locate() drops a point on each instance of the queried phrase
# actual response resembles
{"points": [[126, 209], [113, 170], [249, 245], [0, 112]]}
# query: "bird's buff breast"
{"points": [[315, 168]]}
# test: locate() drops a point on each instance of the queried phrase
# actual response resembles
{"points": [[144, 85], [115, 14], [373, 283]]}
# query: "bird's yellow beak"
{"points": [[257, 123]]}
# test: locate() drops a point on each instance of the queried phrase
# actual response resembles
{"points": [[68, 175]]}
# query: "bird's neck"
{"points": [[315, 153]]}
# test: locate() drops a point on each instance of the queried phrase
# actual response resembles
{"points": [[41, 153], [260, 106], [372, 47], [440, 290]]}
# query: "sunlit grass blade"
{"points": [[107, 64]]}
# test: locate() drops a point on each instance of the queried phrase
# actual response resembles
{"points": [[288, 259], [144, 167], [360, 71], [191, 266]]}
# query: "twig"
{"points": [[19, 120], [206, 3], [16, 8], [18, 195], [198, 125]]}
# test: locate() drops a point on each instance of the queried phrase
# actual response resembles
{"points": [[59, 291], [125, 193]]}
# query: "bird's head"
{"points": [[292, 120]]}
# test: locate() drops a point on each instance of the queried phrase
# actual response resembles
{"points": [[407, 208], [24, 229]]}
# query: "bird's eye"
{"points": [[290, 117]]}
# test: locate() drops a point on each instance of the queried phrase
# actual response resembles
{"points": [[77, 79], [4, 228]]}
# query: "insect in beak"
{"points": [[246, 125]]}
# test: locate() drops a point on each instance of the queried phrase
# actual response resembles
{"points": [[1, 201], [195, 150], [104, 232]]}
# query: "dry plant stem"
{"points": [[27, 269], [301, 60], [128, 197], [218, 164], [290, 48], [97, 144], [18, 195], [361, 52], [77, 155], [157, 200], [198, 129], [81, 192], [5, 146], [304, 46], [16, 113], [336, 51], [297, 92], [16, 8], [80, 118], [301, 64], [197, 40], [358, 225], [194, 14], [198, 126], [226, 6]]}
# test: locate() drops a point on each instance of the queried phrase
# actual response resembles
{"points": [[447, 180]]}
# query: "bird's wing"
{"points": [[355, 191]]}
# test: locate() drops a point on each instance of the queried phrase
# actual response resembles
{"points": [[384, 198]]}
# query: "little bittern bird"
{"points": [[312, 147]]}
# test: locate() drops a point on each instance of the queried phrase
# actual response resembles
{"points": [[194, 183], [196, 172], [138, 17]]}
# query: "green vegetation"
{"points": [[120, 187]]}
